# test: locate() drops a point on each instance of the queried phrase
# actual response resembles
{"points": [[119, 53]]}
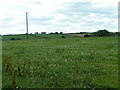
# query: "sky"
{"points": [[67, 16]]}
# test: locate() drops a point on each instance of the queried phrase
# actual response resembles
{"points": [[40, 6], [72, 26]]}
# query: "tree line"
{"points": [[102, 33]]}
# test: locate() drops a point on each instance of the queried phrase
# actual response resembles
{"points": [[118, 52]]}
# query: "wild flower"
{"points": [[19, 74]]}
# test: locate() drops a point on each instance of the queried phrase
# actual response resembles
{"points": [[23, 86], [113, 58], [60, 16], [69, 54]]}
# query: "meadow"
{"points": [[71, 62]]}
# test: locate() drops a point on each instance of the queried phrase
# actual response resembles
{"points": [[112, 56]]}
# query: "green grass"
{"points": [[61, 63], [35, 36]]}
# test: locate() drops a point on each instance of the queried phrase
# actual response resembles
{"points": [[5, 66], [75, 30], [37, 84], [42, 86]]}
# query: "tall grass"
{"points": [[61, 63]]}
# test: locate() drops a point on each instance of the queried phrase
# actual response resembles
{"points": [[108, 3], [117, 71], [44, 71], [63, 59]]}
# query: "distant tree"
{"points": [[56, 32], [83, 32], [86, 35], [102, 33], [36, 32], [117, 33], [51, 33], [61, 32], [43, 32]]}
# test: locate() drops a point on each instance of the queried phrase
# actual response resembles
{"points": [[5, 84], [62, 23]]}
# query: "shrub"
{"points": [[15, 39], [86, 35], [63, 37], [12, 39]]}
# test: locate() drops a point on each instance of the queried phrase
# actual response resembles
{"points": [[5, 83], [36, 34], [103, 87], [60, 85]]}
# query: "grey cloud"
{"points": [[85, 8]]}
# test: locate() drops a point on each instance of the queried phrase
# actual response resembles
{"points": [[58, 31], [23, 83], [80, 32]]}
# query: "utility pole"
{"points": [[27, 24]]}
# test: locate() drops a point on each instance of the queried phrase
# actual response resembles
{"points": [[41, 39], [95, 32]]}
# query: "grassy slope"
{"points": [[70, 62], [36, 36]]}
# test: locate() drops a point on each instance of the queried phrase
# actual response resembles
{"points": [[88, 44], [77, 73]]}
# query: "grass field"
{"points": [[35, 36], [61, 63]]}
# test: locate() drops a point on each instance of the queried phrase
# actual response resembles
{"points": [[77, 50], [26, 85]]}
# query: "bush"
{"points": [[12, 39], [63, 37], [86, 35], [15, 39]]}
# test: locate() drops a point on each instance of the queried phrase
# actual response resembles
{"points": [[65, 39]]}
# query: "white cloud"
{"points": [[104, 3], [58, 15]]}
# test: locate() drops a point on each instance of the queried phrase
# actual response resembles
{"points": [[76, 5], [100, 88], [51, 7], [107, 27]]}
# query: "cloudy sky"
{"points": [[58, 16]]}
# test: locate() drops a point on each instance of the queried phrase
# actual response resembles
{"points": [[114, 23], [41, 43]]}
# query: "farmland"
{"points": [[55, 62]]}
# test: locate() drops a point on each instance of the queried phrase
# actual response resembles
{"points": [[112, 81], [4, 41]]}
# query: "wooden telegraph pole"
{"points": [[27, 24]]}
